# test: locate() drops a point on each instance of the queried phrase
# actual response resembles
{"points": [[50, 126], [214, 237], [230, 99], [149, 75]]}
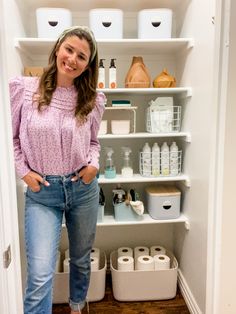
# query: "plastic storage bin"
{"points": [[51, 22], [124, 212], [106, 23], [163, 202], [154, 23], [100, 213], [96, 289], [140, 285], [120, 126]]}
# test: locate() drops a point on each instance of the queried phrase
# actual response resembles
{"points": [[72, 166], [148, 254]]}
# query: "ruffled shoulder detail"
{"points": [[101, 101]]}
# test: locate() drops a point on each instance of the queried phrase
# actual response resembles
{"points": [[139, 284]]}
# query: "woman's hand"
{"points": [[86, 174], [32, 179]]}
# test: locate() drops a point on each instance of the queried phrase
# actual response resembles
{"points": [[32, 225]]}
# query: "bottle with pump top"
{"points": [[127, 170], [110, 170], [101, 74], [112, 74]]}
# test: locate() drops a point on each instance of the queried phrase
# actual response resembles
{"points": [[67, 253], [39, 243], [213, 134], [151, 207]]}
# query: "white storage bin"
{"points": [[163, 202], [120, 127], [96, 289], [51, 22], [106, 23], [154, 23], [143, 285]]}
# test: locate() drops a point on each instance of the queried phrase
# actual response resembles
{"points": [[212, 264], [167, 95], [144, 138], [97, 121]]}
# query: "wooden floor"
{"points": [[110, 306]]}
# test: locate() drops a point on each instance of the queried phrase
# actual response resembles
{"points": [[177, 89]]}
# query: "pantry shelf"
{"points": [[109, 220], [137, 178]]}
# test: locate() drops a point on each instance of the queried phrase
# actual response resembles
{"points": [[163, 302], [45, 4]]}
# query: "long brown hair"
{"points": [[85, 83]]}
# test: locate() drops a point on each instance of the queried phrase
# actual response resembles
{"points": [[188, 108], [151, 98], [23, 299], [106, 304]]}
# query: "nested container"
{"points": [[123, 212]]}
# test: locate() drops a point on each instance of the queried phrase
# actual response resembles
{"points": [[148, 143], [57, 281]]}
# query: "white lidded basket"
{"points": [[163, 119], [51, 22]]}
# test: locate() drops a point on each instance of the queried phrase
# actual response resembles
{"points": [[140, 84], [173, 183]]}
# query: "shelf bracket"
{"points": [[190, 43], [187, 225], [188, 138]]}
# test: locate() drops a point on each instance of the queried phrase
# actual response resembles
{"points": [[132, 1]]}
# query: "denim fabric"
{"points": [[43, 219]]}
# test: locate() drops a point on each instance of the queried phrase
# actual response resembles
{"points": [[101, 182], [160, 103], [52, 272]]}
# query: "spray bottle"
{"points": [[112, 74], [110, 170], [101, 74], [127, 170]]}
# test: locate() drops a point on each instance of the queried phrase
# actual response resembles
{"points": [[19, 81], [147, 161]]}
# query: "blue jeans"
{"points": [[43, 220]]}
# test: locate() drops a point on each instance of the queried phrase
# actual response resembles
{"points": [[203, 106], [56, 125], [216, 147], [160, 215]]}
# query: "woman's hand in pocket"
{"points": [[86, 174], [33, 180]]}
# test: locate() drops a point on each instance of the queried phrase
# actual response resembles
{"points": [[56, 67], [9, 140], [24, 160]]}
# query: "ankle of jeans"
{"points": [[79, 306]]}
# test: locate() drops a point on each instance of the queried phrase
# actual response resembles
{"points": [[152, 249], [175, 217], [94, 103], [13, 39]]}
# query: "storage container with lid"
{"points": [[163, 201]]}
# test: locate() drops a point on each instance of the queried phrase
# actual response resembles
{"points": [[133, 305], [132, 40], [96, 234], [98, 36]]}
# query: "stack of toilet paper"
{"points": [[142, 258]]}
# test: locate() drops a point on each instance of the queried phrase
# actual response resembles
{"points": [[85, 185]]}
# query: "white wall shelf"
{"points": [[137, 178], [36, 47], [109, 220], [185, 135]]}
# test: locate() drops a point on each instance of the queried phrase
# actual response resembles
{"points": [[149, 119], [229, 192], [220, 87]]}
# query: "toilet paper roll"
{"points": [[140, 250], [58, 262], [67, 254], [145, 262], [94, 263], [157, 250], [66, 265], [161, 262], [125, 263], [95, 252], [125, 251]]}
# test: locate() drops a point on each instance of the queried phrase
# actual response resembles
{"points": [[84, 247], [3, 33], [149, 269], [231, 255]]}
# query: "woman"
{"points": [[55, 124]]}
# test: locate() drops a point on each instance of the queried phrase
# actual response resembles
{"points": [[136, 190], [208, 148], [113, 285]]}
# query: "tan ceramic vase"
{"points": [[137, 76], [164, 80]]}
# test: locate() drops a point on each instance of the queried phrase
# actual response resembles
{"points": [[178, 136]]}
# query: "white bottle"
{"points": [[174, 162], [101, 74], [146, 160], [112, 74], [165, 159], [155, 160]]}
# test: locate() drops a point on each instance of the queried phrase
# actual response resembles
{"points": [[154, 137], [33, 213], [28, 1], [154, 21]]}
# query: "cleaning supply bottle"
{"points": [[174, 162], [110, 170], [101, 74], [127, 170], [146, 160], [165, 159], [155, 160], [112, 74]]}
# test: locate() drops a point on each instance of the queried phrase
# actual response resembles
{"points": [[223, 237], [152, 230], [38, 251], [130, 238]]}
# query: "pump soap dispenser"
{"points": [[101, 74], [127, 170], [110, 170], [112, 74]]}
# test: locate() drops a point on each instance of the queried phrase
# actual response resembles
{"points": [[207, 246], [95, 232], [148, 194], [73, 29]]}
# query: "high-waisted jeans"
{"points": [[43, 222]]}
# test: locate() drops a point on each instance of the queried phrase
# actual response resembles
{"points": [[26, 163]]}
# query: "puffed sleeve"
{"points": [[96, 120], [16, 88]]}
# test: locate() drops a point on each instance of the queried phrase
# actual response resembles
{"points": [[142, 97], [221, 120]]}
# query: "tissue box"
{"points": [[51, 22], [163, 202], [143, 285], [154, 23], [106, 23]]}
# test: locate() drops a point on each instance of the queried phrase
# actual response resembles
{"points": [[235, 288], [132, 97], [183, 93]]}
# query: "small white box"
{"points": [[51, 22], [120, 127], [163, 202], [106, 23], [143, 285], [154, 23], [96, 289]]}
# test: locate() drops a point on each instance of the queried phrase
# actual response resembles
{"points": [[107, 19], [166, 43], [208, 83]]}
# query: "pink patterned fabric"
{"points": [[52, 142]]}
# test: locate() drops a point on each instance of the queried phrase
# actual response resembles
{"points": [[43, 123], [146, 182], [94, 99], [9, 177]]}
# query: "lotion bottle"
{"points": [[112, 74], [165, 159], [174, 164], [101, 74], [155, 160], [146, 160]]}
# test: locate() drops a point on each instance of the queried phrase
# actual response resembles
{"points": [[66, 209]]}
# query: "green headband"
{"points": [[86, 30]]}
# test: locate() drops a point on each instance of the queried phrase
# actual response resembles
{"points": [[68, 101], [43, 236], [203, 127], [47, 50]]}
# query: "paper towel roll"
{"points": [[157, 250], [125, 251], [67, 254], [161, 262], [58, 262], [125, 263], [66, 265], [145, 262], [94, 263], [140, 250], [95, 252]]}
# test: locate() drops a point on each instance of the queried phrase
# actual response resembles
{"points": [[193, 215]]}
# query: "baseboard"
{"points": [[187, 295]]}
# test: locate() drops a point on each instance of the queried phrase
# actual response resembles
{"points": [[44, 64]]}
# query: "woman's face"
{"points": [[72, 60]]}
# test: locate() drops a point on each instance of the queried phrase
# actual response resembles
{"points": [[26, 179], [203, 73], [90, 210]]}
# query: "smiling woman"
{"points": [[55, 124]]}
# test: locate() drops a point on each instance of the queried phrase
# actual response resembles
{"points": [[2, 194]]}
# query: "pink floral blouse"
{"points": [[51, 141]]}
